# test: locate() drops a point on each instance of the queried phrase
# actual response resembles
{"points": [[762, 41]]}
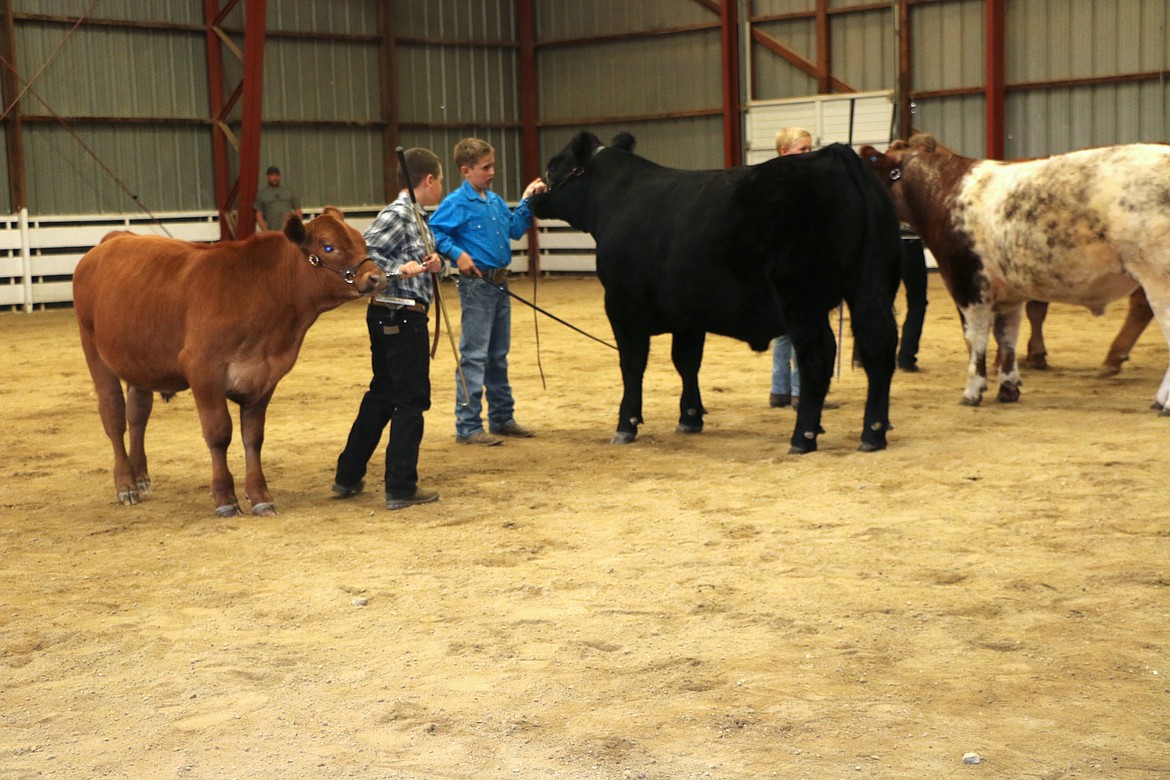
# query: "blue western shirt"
{"points": [[480, 226]]}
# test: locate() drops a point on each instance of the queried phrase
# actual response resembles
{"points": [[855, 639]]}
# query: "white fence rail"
{"points": [[39, 254]]}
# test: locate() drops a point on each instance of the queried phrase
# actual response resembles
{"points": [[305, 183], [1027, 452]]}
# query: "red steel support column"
{"points": [[388, 99], [732, 120], [219, 146], [994, 80], [13, 128], [905, 70], [529, 113], [254, 25], [251, 88]]}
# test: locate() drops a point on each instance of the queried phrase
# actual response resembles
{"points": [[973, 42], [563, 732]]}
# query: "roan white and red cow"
{"points": [[1084, 228]]}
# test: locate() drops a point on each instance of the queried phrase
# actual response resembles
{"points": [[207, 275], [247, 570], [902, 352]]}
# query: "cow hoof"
{"points": [[965, 401], [869, 446], [264, 509], [621, 437], [1104, 372], [1008, 394], [1036, 362], [689, 428], [794, 450], [143, 484], [228, 510], [1164, 412], [127, 497]]}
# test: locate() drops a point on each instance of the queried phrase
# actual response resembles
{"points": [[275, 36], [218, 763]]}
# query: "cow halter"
{"points": [[347, 274], [896, 173], [580, 169]]}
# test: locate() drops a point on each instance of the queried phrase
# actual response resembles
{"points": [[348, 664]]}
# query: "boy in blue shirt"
{"points": [[474, 227]]}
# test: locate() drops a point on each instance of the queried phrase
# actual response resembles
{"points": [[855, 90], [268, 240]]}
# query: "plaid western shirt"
{"points": [[394, 239]]}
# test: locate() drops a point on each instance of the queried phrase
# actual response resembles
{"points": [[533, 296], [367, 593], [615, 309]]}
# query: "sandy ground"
{"points": [[996, 582]]}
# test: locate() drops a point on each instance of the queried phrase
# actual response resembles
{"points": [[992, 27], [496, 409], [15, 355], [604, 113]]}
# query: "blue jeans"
{"points": [[483, 346], [785, 375]]}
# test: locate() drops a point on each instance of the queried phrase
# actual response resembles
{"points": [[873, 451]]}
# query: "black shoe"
{"points": [[419, 497], [344, 491], [779, 400]]}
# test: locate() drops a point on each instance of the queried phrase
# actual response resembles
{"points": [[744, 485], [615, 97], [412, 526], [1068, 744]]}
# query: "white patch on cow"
{"points": [[1083, 228]]}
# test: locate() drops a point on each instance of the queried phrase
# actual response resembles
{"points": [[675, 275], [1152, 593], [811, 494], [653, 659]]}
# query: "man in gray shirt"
{"points": [[274, 202]]}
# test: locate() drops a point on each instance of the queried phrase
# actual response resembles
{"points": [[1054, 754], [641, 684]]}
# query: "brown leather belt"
{"points": [[419, 307], [494, 275]]}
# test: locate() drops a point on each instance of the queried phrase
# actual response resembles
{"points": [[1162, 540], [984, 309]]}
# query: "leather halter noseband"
{"points": [[347, 274]]}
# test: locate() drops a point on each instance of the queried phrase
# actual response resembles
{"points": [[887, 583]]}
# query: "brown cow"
{"points": [[226, 320], [1084, 228], [1137, 317]]}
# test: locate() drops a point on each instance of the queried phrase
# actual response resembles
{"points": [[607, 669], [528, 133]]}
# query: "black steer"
{"points": [[749, 252]]}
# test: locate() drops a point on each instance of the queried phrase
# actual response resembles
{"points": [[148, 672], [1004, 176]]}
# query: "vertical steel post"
{"points": [[732, 119], [993, 108]]}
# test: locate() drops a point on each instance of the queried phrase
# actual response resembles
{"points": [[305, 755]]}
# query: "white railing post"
{"points": [[26, 261]]}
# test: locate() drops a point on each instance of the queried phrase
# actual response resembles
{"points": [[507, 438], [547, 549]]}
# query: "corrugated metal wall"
{"points": [[648, 66], [458, 76]]}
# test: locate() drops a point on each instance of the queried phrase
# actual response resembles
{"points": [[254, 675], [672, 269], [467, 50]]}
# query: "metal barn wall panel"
{"points": [[560, 20], [948, 45], [948, 54], [768, 7], [458, 71], [172, 11], [163, 169], [630, 78], [441, 84], [340, 85], [326, 165], [692, 143], [509, 183], [455, 20], [104, 71], [956, 121], [338, 17], [1062, 40], [864, 50], [1052, 121], [772, 77]]}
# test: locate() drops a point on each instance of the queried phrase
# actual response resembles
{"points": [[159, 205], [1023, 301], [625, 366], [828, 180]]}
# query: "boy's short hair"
{"points": [[469, 151], [789, 136], [420, 162]]}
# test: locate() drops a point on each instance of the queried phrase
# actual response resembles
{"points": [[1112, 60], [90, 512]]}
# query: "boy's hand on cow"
{"points": [[534, 187]]}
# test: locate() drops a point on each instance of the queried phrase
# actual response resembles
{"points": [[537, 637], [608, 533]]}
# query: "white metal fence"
{"points": [[39, 254]]}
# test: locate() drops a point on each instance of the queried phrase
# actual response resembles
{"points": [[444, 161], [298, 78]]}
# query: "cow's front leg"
{"points": [[217, 432], [687, 353], [1007, 332], [976, 330], [634, 350], [252, 417], [816, 352]]}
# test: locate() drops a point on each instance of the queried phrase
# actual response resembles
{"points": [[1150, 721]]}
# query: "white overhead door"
{"points": [[856, 119]]}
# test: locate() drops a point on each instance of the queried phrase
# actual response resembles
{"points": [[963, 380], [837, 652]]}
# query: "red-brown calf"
{"points": [[225, 320]]}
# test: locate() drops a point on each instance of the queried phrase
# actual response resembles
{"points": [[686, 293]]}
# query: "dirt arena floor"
{"points": [[996, 583]]}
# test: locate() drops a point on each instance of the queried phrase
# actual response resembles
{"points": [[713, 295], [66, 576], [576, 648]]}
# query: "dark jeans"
{"points": [[399, 394], [914, 280]]}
